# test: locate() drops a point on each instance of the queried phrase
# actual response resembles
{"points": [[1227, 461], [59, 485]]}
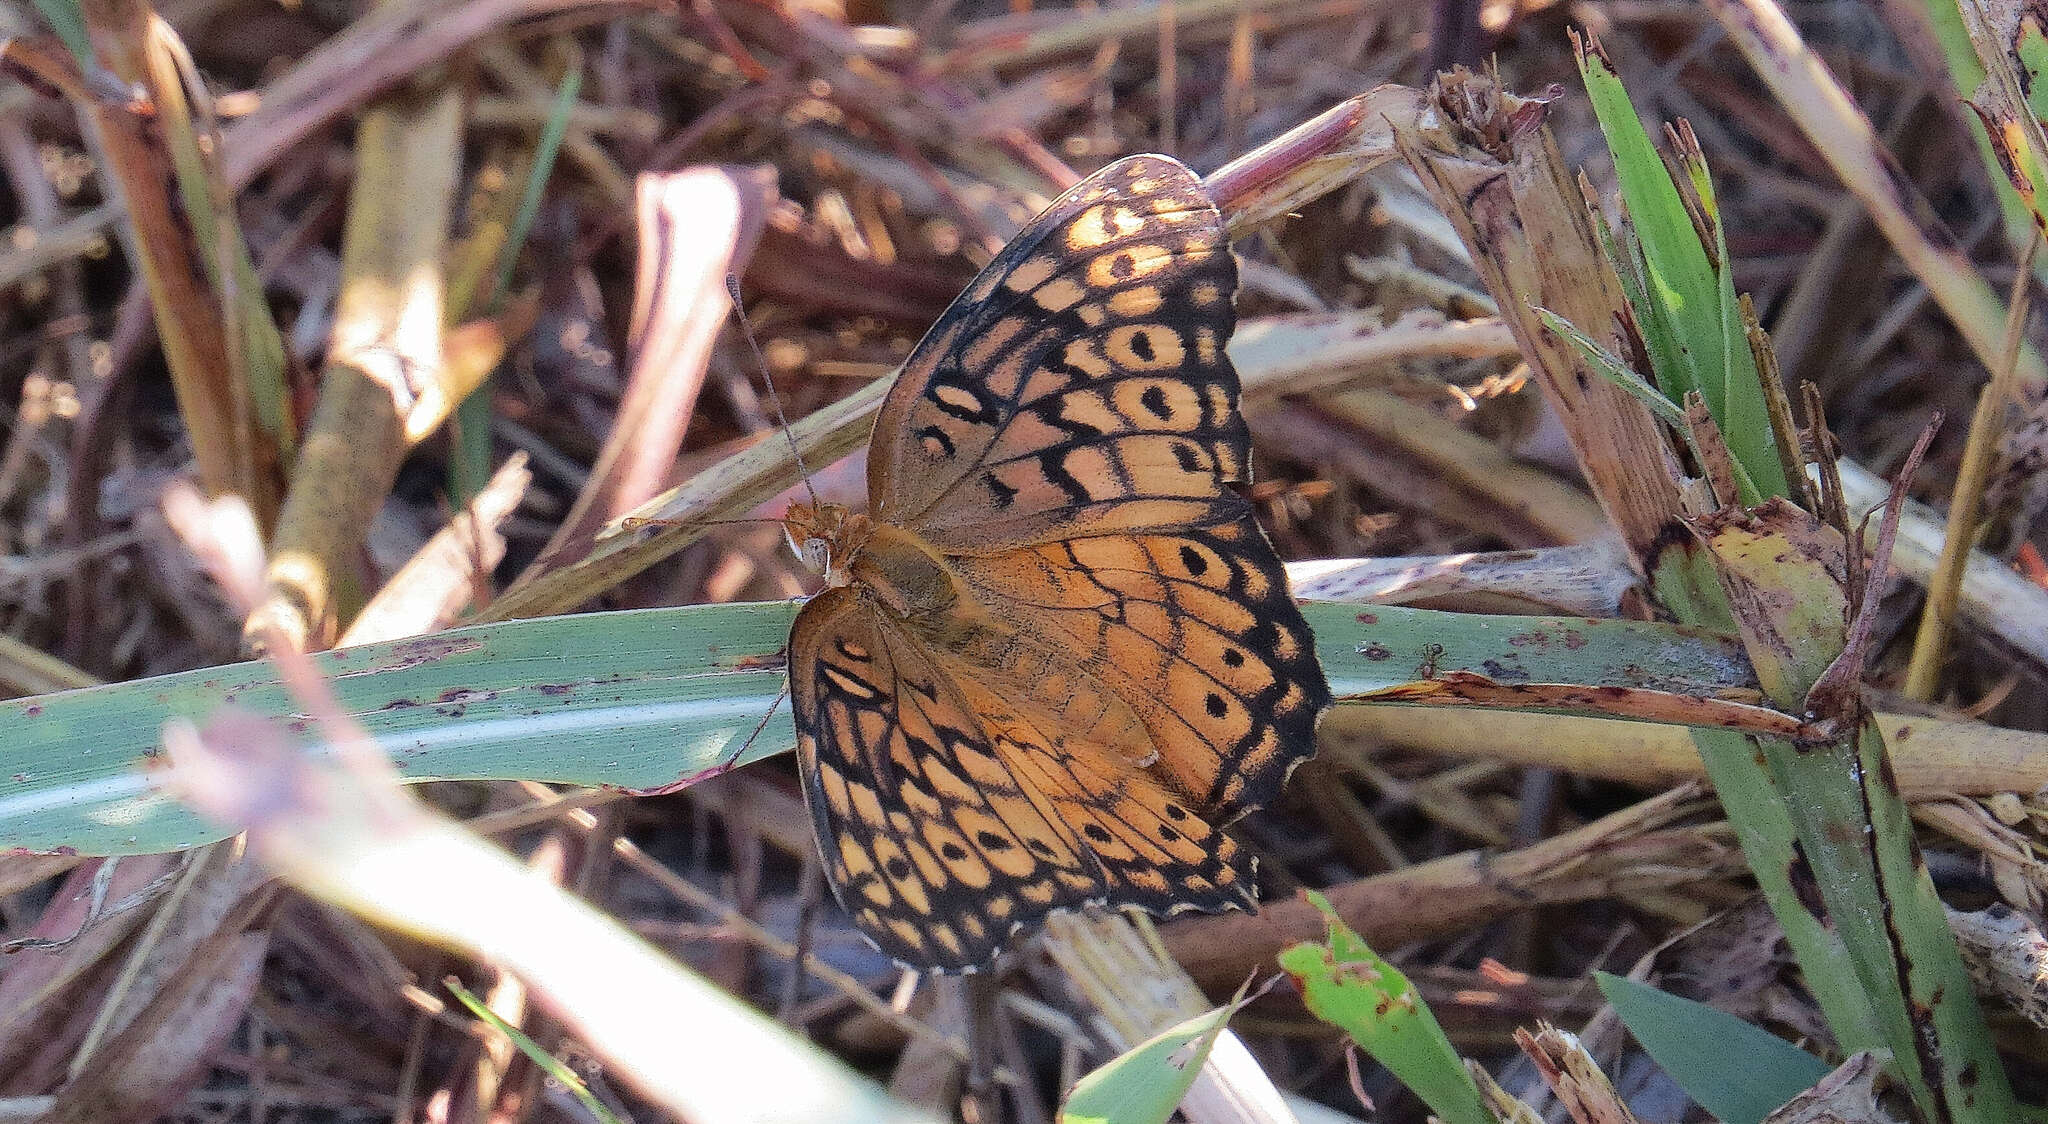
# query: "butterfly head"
{"points": [[825, 537]]}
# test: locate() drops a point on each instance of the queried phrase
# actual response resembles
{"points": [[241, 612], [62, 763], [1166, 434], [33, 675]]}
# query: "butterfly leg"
{"points": [[733, 758]]}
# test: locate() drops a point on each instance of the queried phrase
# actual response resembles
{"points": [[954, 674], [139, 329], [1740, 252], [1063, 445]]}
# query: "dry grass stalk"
{"points": [[1509, 1108], [1994, 598], [1980, 456], [49, 994], [1410, 450], [26, 670], [696, 229], [166, 248], [1640, 847], [1496, 172], [1588, 580], [1807, 90], [386, 355], [451, 571], [1116, 963], [1574, 1077], [1934, 758], [2008, 957]]}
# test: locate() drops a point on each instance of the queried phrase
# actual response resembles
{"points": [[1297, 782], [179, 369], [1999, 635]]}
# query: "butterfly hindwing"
{"points": [[1080, 385], [946, 819], [1196, 631]]}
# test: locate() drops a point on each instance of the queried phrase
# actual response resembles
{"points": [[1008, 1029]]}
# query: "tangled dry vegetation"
{"points": [[428, 379]]}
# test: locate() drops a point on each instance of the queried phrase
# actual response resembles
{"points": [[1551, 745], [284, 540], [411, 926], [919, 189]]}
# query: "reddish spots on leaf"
{"points": [[424, 650], [1574, 639], [1356, 972], [34, 710], [1368, 618]]}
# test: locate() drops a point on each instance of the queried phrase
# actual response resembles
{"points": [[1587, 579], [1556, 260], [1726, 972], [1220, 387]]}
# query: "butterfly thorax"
{"points": [[896, 569]]}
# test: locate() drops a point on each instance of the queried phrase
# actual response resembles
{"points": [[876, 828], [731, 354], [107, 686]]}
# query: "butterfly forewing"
{"points": [[1080, 386]]}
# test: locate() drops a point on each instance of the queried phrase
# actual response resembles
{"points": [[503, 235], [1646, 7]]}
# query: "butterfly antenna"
{"points": [[739, 311], [636, 522]]}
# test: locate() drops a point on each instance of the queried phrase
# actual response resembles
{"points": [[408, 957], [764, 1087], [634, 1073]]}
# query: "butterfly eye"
{"points": [[816, 554]]}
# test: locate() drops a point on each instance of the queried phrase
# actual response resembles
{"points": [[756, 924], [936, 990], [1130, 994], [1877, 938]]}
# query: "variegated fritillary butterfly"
{"points": [[1057, 654]]}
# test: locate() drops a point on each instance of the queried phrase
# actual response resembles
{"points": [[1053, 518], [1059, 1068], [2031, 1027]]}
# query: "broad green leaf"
{"points": [[1351, 987], [1738, 1072]]}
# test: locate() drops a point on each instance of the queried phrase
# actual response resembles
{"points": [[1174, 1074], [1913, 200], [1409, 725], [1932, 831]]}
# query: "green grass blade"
{"points": [[68, 22], [1734, 763], [469, 468], [1681, 280], [1611, 368], [544, 153], [1145, 1084], [1694, 1042], [655, 697], [1692, 320], [548, 1063], [1745, 419]]}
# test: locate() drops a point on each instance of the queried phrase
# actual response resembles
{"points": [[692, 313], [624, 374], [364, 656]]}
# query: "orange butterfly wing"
{"points": [[1124, 670], [1196, 632], [1079, 386]]}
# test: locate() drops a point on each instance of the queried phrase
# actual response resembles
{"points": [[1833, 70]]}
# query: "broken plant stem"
{"points": [[1980, 454]]}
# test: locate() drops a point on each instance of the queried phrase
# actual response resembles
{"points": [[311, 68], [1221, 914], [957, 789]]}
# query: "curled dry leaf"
{"points": [[1846, 1096], [2007, 956]]}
